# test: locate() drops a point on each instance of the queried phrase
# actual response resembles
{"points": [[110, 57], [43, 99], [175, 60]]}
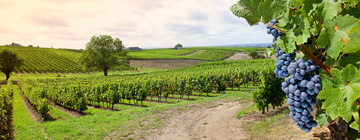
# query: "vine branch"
{"points": [[316, 60], [275, 27]]}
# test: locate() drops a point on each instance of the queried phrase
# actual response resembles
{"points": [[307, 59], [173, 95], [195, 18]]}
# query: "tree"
{"points": [[102, 53], [9, 61], [178, 46], [253, 54]]}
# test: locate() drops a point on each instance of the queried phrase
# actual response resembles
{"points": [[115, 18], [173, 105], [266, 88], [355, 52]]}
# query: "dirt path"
{"points": [[195, 52], [239, 56], [244, 56], [205, 121]]}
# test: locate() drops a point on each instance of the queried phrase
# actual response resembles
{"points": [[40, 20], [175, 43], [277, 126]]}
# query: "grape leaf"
{"points": [[328, 9], [302, 31], [351, 2], [309, 5], [297, 30], [353, 11], [299, 55], [321, 118], [255, 11], [352, 44], [341, 92], [286, 43], [336, 31]]}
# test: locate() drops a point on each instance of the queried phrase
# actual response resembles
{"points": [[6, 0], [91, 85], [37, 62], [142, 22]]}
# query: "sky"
{"points": [[138, 23]]}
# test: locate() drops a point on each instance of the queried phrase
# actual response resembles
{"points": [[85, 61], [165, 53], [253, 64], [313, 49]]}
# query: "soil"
{"points": [[239, 56], [215, 120], [244, 56], [195, 52], [165, 63]]}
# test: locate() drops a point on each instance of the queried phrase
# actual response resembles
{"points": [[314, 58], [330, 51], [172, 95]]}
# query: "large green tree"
{"points": [[102, 53], [9, 61]]}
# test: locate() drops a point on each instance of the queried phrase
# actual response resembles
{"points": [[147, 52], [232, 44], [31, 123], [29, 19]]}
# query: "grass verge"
{"points": [[24, 125]]}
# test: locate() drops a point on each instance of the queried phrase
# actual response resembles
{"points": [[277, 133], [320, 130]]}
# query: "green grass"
{"points": [[270, 126], [59, 115], [24, 125], [248, 110]]}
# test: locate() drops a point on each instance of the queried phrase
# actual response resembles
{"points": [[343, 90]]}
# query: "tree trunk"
{"points": [[7, 76], [105, 71]]}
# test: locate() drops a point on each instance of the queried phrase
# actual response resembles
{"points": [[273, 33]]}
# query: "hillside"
{"points": [[41, 60], [47, 59]]}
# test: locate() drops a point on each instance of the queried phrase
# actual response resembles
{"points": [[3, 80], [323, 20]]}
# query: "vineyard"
{"points": [[310, 91], [42, 60], [95, 96], [200, 53]]}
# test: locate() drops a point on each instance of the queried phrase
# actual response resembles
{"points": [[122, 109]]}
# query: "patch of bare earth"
{"points": [[244, 56], [213, 120], [195, 52], [165, 63]]}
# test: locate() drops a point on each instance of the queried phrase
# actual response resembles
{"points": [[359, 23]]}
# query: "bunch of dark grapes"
{"points": [[282, 59], [301, 89], [270, 30]]}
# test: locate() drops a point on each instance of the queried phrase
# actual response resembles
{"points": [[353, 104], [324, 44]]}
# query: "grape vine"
{"points": [[327, 76]]}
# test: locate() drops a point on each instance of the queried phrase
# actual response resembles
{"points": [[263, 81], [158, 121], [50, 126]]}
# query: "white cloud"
{"points": [[143, 23]]}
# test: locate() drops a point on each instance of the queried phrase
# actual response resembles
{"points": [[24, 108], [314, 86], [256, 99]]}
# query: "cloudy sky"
{"points": [[143, 23]]}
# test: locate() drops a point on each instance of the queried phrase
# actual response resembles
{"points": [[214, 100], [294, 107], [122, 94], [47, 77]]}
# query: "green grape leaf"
{"points": [[286, 43], [255, 11], [335, 34], [355, 125], [302, 31], [321, 118], [353, 44], [341, 92], [351, 2], [353, 11], [323, 40], [309, 5], [299, 55], [328, 9]]}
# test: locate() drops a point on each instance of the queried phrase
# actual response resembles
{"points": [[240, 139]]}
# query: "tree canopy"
{"points": [[178, 45], [253, 54], [9, 61], [102, 53]]}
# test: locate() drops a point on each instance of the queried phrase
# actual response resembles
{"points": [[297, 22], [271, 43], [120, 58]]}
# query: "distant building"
{"points": [[134, 48]]}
